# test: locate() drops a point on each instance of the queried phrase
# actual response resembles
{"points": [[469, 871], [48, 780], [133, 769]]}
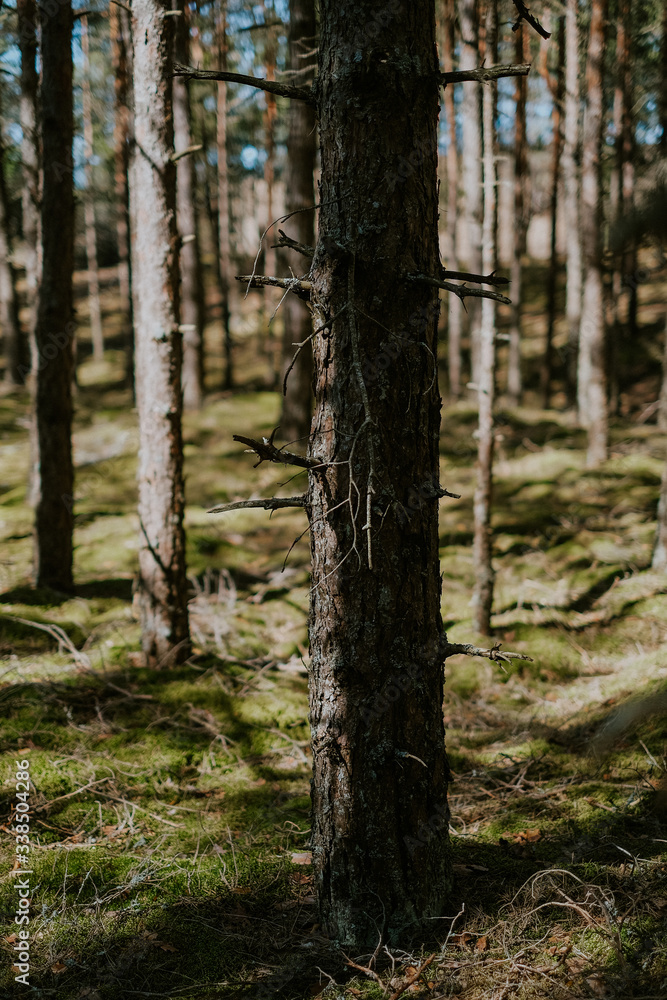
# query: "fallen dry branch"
{"points": [[412, 979]]}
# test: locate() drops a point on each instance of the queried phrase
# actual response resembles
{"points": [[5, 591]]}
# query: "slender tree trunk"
{"points": [[381, 855], [300, 194], [660, 548], [662, 411], [482, 544], [663, 78], [53, 363], [12, 337], [27, 31], [520, 228], [556, 115], [571, 202], [162, 586], [454, 304], [121, 52], [625, 152], [592, 392], [270, 264], [192, 291], [93, 276], [224, 260], [471, 167]]}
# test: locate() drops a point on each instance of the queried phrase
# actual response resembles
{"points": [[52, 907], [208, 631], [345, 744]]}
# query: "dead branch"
{"points": [[412, 979], [267, 452], [290, 244], [362, 968], [525, 15], [271, 503], [270, 86], [467, 648], [297, 285], [175, 157], [461, 290], [68, 795], [483, 74], [482, 279]]}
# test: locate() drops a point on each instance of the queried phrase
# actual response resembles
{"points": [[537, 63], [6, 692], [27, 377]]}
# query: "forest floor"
{"points": [[171, 807]]}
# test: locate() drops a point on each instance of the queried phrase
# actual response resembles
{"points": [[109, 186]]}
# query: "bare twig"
{"points": [[267, 452], [297, 285], [57, 633], [525, 15], [362, 968], [412, 979], [461, 290], [290, 244], [185, 152], [488, 279], [270, 86], [467, 648], [483, 74], [69, 795], [271, 503]]}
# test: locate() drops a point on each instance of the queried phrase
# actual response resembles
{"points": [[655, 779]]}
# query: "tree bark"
{"points": [[192, 289], [663, 78], [27, 30], [471, 166], [660, 548], [162, 586], [93, 276], [381, 855], [556, 117], [454, 305], [571, 201], [591, 384], [482, 600], [270, 266], [520, 228], [54, 330], [224, 261], [12, 336], [300, 194], [662, 409]]}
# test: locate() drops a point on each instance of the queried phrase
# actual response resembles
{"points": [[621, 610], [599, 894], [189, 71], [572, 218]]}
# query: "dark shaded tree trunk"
{"points": [[162, 586], [662, 103], [520, 228], [557, 92], [471, 166], [223, 233], [625, 154], [571, 197], [591, 381], [54, 330], [381, 854], [13, 343], [300, 194], [27, 30], [454, 305], [192, 289], [94, 304]]}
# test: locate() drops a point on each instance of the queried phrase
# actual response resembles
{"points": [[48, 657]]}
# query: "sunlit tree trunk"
{"points": [[381, 856], [471, 166], [546, 374], [571, 195], [93, 276], [224, 262], [162, 587], [300, 194], [13, 343], [27, 32], [54, 329], [520, 227], [591, 385]]}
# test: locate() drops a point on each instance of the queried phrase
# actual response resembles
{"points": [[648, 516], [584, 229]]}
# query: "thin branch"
{"points": [[525, 15], [123, 5], [290, 244], [412, 978], [483, 75], [467, 648], [270, 86], [175, 157], [271, 503], [482, 279], [303, 343], [267, 452], [461, 290], [297, 285]]}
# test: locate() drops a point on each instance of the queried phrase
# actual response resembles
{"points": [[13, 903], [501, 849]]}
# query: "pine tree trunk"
{"points": [[192, 292], [270, 259], [27, 32], [12, 336], [482, 600], [53, 363], [662, 102], [471, 167], [662, 410], [224, 261], [381, 855], [571, 201], [519, 230], [454, 304], [300, 194], [626, 158], [93, 276], [660, 549], [591, 384], [556, 116], [162, 586]]}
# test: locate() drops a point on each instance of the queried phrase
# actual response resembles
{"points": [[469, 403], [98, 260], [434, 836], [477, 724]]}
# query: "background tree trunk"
{"points": [[300, 194], [471, 167], [54, 330], [162, 586], [520, 228], [571, 200], [224, 263], [12, 338], [381, 855], [454, 304], [591, 385], [557, 89], [93, 275], [27, 30], [192, 289], [660, 549]]}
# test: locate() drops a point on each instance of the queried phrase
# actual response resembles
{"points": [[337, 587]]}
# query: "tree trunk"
{"points": [[381, 854], [27, 31], [270, 116], [300, 194], [625, 153], [121, 52], [192, 291], [662, 410], [454, 304], [556, 115], [12, 337], [224, 262], [660, 549], [482, 544], [571, 202], [93, 276], [662, 103], [591, 386], [471, 167], [53, 361], [520, 228], [162, 586]]}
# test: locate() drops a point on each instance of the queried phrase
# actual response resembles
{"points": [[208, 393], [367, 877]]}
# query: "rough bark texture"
{"points": [[161, 591], [27, 18], [571, 206], [471, 165], [12, 338], [93, 276], [514, 375], [192, 290], [380, 821], [482, 599], [224, 256], [454, 304], [557, 89], [591, 385], [300, 194], [53, 361]]}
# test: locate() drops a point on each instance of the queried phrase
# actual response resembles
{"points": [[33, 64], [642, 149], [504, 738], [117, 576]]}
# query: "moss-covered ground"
{"points": [[171, 807]]}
